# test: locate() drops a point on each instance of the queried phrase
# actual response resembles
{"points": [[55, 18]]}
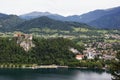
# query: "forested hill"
{"points": [[8, 22], [2, 15], [111, 21], [46, 51], [14, 23], [45, 22]]}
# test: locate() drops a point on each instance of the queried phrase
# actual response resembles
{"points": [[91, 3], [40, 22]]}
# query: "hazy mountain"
{"points": [[108, 18], [93, 15], [45, 22], [36, 14], [2, 15], [9, 21], [111, 21], [86, 18]]}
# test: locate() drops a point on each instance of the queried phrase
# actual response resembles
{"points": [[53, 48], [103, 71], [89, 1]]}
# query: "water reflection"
{"points": [[53, 74], [80, 75]]}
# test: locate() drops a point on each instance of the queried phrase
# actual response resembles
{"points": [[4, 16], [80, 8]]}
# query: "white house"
{"points": [[75, 51], [90, 55]]}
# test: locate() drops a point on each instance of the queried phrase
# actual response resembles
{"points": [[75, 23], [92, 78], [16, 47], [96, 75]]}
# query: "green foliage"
{"points": [[45, 22], [46, 52], [87, 64], [10, 52], [115, 67], [8, 22], [53, 51]]}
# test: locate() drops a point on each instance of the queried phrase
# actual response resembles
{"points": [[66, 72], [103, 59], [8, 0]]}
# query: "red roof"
{"points": [[79, 56]]}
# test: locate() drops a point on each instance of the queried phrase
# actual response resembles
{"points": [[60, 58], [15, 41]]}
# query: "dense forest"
{"points": [[46, 51]]}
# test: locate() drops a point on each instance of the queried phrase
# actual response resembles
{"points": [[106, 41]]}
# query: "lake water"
{"points": [[53, 74]]}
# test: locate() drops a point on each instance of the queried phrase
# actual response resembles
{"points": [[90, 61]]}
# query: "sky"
{"points": [[62, 7]]}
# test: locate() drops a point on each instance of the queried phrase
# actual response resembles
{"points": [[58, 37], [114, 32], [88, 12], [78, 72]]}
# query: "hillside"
{"points": [[2, 15], [8, 22], [93, 15], [46, 51], [36, 14], [111, 21], [45, 22]]}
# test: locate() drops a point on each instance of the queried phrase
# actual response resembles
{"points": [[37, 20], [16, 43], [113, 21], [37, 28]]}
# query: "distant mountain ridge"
{"points": [[93, 15], [15, 23], [88, 18], [45, 22], [105, 19], [36, 14], [2, 15], [85, 18], [111, 21]]}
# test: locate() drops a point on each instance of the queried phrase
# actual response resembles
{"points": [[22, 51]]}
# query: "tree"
{"points": [[116, 68]]}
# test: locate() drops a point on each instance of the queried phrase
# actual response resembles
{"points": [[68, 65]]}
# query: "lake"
{"points": [[53, 74]]}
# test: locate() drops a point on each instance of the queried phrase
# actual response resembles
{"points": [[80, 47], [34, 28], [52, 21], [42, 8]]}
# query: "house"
{"points": [[90, 55], [79, 57], [108, 57], [73, 50]]}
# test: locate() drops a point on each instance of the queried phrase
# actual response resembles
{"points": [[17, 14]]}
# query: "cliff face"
{"points": [[25, 41]]}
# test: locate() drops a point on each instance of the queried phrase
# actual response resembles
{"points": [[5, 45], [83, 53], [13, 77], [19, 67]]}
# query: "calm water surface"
{"points": [[53, 74]]}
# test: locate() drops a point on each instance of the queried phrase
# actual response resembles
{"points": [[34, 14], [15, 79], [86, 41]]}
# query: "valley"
{"points": [[60, 40], [41, 39]]}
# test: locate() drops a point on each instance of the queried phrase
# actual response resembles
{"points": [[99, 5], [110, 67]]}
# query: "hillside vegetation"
{"points": [[45, 22], [8, 22], [46, 52], [111, 21]]}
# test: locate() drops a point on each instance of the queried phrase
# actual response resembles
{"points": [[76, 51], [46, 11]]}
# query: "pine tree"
{"points": [[116, 68]]}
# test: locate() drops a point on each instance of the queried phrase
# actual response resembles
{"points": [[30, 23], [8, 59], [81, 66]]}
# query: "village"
{"points": [[95, 50], [98, 50]]}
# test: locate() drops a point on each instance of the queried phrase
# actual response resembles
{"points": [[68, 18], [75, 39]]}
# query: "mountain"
{"points": [[7, 22], [93, 15], [111, 21], [105, 19], [2, 15], [108, 18], [93, 18], [45, 22], [85, 18], [36, 14]]}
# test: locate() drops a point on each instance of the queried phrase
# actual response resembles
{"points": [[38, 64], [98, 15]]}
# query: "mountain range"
{"points": [[15, 23], [45, 22], [105, 19], [93, 18], [110, 21]]}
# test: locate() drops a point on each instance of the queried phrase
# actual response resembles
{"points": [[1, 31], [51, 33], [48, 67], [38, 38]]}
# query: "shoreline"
{"points": [[51, 67]]}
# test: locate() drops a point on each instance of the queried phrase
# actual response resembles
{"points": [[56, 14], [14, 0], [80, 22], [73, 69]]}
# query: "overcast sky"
{"points": [[63, 7]]}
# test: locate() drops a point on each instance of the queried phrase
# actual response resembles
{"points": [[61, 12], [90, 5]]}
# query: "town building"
{"points": [[79, 57]]}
